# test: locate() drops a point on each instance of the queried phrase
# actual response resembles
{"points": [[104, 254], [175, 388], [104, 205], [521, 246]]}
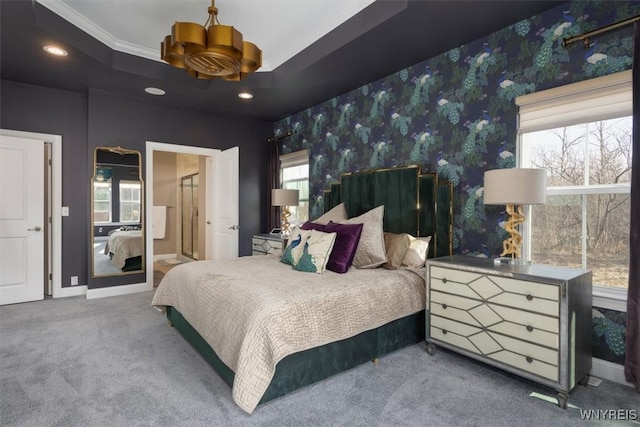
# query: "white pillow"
{"points": [[371, 250], [292, 253], [336, 214], [316, 251], [417, 253]]}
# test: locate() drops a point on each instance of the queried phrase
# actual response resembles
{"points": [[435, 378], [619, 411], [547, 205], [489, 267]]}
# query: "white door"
{"points": [[225, 187], [21, 219]]}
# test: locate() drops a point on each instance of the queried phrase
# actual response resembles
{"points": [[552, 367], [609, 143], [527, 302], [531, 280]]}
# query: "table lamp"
{"points": [[514, 187], [284, 198]]}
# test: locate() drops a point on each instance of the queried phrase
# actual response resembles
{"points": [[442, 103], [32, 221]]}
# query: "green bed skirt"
{"points": [[307, 367]]}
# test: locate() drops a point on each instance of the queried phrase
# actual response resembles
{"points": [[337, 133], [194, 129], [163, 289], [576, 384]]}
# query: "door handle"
{"points": [[36, 228], [234, 227], [208, 222]]}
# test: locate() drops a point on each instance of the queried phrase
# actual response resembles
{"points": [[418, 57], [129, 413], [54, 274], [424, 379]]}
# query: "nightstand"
{"points": [[262, 244], [531, 320]]}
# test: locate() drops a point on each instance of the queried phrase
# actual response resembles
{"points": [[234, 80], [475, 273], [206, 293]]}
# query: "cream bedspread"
{"points": [[254, 311], [123, 245]]}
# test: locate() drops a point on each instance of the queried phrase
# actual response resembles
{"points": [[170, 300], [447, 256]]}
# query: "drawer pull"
{"points": [[444, 306], [444, 332], [529, 328], [444, 280], [529, 297], [529, 359]]}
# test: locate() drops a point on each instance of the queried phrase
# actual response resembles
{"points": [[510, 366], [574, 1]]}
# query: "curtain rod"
{"points": [[277, 137], [585, 36]]}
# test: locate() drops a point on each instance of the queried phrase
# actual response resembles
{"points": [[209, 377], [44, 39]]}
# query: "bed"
{"points": [[125, 248], [268, 329]]}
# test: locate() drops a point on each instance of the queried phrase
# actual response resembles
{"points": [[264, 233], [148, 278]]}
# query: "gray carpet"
{"points": [[114, 361]]}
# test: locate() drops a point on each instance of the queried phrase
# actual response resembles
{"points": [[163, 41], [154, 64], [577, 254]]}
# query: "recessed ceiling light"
{"points": [[154, 91], [245, 95], [55, 50]]}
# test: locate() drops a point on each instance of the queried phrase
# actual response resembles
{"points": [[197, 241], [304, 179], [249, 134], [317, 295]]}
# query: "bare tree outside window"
{"points": [[585, 222]]}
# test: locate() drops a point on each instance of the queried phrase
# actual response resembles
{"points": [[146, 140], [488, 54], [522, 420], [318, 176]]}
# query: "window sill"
{"points": [[610, 298]]}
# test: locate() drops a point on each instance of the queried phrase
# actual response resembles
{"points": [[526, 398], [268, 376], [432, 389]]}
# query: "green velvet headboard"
{"points": [[413, 203]]}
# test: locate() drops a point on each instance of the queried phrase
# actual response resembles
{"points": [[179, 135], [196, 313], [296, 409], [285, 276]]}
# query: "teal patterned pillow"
{"points": [[292, 253], [315, 252]]}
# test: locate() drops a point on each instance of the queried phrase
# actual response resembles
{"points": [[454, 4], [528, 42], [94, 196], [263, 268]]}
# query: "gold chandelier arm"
{"points": [[511, 246]]}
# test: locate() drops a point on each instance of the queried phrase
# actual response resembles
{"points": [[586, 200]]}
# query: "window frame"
{"points": [[294, 159], [139, 201], [108, 185], [544, 110]]}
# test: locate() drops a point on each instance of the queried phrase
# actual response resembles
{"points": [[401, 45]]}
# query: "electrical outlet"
{"points": [[74, 280]]}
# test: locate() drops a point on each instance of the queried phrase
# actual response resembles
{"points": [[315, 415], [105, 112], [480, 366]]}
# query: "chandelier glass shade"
{"points": [[217, 51]]}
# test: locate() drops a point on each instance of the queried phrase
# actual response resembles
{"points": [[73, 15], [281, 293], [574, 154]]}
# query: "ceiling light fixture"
{"points": [[55, 50], [214, 52], [154, 91], [245, 95]]}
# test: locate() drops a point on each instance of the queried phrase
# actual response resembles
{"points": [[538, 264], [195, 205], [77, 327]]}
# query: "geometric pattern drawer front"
{"points": [[265, 246], [519, 294], [536, 367], [538, 290], [453, 275], [537, 336], [524, 325], [525, 318], [531, 350], [526, 356], [528, 303]]}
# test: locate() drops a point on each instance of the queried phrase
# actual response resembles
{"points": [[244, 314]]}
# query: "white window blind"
{"points": [[294, 159], [600, 98]]}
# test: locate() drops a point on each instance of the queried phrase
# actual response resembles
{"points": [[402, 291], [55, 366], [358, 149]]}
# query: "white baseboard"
{"points": [[72, 291], [116, 290], [608, 371], [158, 257]]}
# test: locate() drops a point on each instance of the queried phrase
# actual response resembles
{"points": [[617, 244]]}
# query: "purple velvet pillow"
{"points": [[312, 226], [344, 248]]}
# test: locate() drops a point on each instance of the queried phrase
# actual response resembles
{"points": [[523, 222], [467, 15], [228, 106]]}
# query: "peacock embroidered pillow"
{"points": [[291, 254], [315, 252]]}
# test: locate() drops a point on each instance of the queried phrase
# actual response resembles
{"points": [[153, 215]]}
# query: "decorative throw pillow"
{"points": [[417, 253], [370, 252], [291, 254], [344, 249], [315, 252], [396, 246], [336, 214], [312, 226]]}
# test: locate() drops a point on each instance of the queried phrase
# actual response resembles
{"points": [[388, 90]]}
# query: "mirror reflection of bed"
{"points": [[117, 212]]}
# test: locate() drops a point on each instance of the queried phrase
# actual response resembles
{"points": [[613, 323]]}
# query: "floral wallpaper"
{"points": [[455, 113]]}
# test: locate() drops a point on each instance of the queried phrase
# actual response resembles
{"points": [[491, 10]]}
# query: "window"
{"points": [[129, 201], [101, 202], [581, 134], [294, 175]]}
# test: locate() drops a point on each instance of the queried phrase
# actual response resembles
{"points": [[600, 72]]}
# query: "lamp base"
{"points": [[285, 228]]}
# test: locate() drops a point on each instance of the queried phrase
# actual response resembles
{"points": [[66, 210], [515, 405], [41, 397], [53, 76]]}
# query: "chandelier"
{"points": [[208, 53]]}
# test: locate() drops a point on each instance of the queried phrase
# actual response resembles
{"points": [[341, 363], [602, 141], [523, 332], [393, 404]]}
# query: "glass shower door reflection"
{"points": [[190, 216]]}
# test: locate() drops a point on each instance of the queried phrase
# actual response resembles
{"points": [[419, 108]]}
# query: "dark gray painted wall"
{"points": [[35, 109], [104, 119]]}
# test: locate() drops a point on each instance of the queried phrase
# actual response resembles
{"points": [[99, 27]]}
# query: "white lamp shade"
{"points": [[518, 186], [282, 197]]}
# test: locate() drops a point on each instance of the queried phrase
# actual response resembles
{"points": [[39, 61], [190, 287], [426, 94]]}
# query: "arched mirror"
{"points": [[117, 195]]}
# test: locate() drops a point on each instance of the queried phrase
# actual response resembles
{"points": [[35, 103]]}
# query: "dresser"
{"points": [[532, 320], [262, 244]]}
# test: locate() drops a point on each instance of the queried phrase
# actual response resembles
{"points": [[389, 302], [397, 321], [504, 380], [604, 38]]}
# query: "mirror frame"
{"points": [[121, 151]]}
